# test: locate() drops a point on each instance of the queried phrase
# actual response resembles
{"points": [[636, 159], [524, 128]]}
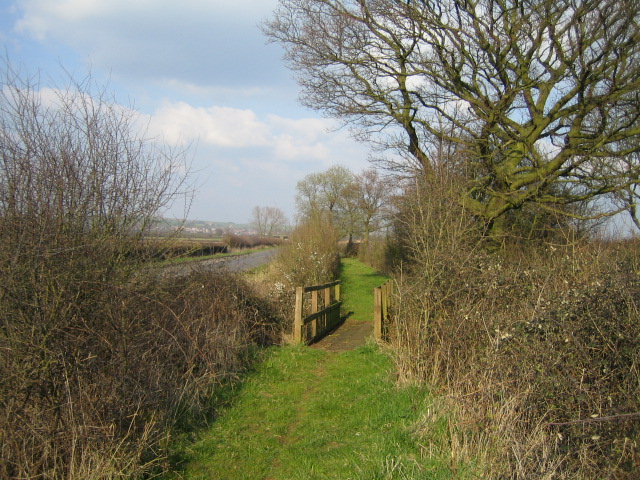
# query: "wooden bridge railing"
{"points": [[383, 297], [321, 316]]}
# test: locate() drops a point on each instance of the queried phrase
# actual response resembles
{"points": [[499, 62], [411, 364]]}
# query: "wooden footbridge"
{"points": [[318, 314]]}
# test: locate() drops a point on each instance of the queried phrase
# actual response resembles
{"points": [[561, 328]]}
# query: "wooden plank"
{"points": [[315, 316], [321, 287]]}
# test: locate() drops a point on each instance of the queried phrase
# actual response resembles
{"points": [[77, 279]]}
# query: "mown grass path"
{"points": [[312, 414]]}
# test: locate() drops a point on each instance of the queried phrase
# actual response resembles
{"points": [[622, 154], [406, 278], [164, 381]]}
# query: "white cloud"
{"points": [[204, 76], [248, 160], [228, 91], [180, 123], [45, 17]]}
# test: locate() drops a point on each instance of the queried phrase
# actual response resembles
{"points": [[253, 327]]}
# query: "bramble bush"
{"points": [[533, 350]]}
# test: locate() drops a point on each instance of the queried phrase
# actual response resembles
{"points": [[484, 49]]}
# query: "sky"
{"points": [[205, 74]]}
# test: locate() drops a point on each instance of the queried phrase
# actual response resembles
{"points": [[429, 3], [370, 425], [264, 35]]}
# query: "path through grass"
{"points": [[358, 282], [311, 414]]}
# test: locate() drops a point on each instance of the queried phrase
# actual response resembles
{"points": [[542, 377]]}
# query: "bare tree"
{"points": [[269, 221], [536, 95], [323, 192], [371, 194], [355, 203]]}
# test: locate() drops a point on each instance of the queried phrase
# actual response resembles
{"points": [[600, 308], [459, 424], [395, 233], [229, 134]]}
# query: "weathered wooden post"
{"points": [[377, 313], [297, 321], [314, 309]]}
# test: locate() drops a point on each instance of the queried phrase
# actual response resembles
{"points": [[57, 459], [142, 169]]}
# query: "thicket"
{"points": [[101, 359], [533, 350], [312, 255]]}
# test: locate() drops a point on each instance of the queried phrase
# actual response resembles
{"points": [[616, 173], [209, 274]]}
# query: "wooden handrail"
{"points": [[314, 288], [322, 319]]}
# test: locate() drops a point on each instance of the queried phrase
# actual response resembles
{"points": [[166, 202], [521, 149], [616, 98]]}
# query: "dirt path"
{"points": [[233, 263]]}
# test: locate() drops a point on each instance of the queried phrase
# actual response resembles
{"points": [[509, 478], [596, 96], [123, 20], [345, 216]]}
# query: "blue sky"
{"points": [[203, 71]]}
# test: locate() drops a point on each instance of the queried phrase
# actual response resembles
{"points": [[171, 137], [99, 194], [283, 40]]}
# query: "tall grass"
{"points": [[534, 349]]}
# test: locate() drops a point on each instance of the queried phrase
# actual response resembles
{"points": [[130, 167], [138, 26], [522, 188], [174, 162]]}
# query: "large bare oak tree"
{"points": [[532, 100]]}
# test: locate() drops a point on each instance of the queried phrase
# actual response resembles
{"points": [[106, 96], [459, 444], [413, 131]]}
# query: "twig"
{"points": [[612, 418]]}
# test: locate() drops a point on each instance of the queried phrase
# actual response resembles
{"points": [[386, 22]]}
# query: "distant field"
{"points": [[165, 249], [193, 247]]}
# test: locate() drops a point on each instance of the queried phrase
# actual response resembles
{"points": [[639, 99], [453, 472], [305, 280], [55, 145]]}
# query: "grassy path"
{"points": [[311, 414], [358, 282]]}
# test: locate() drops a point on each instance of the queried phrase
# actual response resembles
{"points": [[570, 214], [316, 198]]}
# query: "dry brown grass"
{"points": [[533, 351], [96, 380]]}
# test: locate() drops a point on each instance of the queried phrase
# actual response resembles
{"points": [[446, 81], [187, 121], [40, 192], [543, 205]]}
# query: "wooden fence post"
{"points": [[381, 311], [297, 321], [314, 309], [377, 313]]}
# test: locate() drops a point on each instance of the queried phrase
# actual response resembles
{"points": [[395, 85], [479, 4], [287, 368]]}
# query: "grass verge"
{"points": [[311, 414]]}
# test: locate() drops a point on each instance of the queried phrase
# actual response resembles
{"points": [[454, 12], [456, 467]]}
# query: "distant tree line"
{"points": [[357, 204]]}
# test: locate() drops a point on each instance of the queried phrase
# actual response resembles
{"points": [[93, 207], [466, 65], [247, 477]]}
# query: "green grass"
{"points": [[358, 282], [309, 414]]}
